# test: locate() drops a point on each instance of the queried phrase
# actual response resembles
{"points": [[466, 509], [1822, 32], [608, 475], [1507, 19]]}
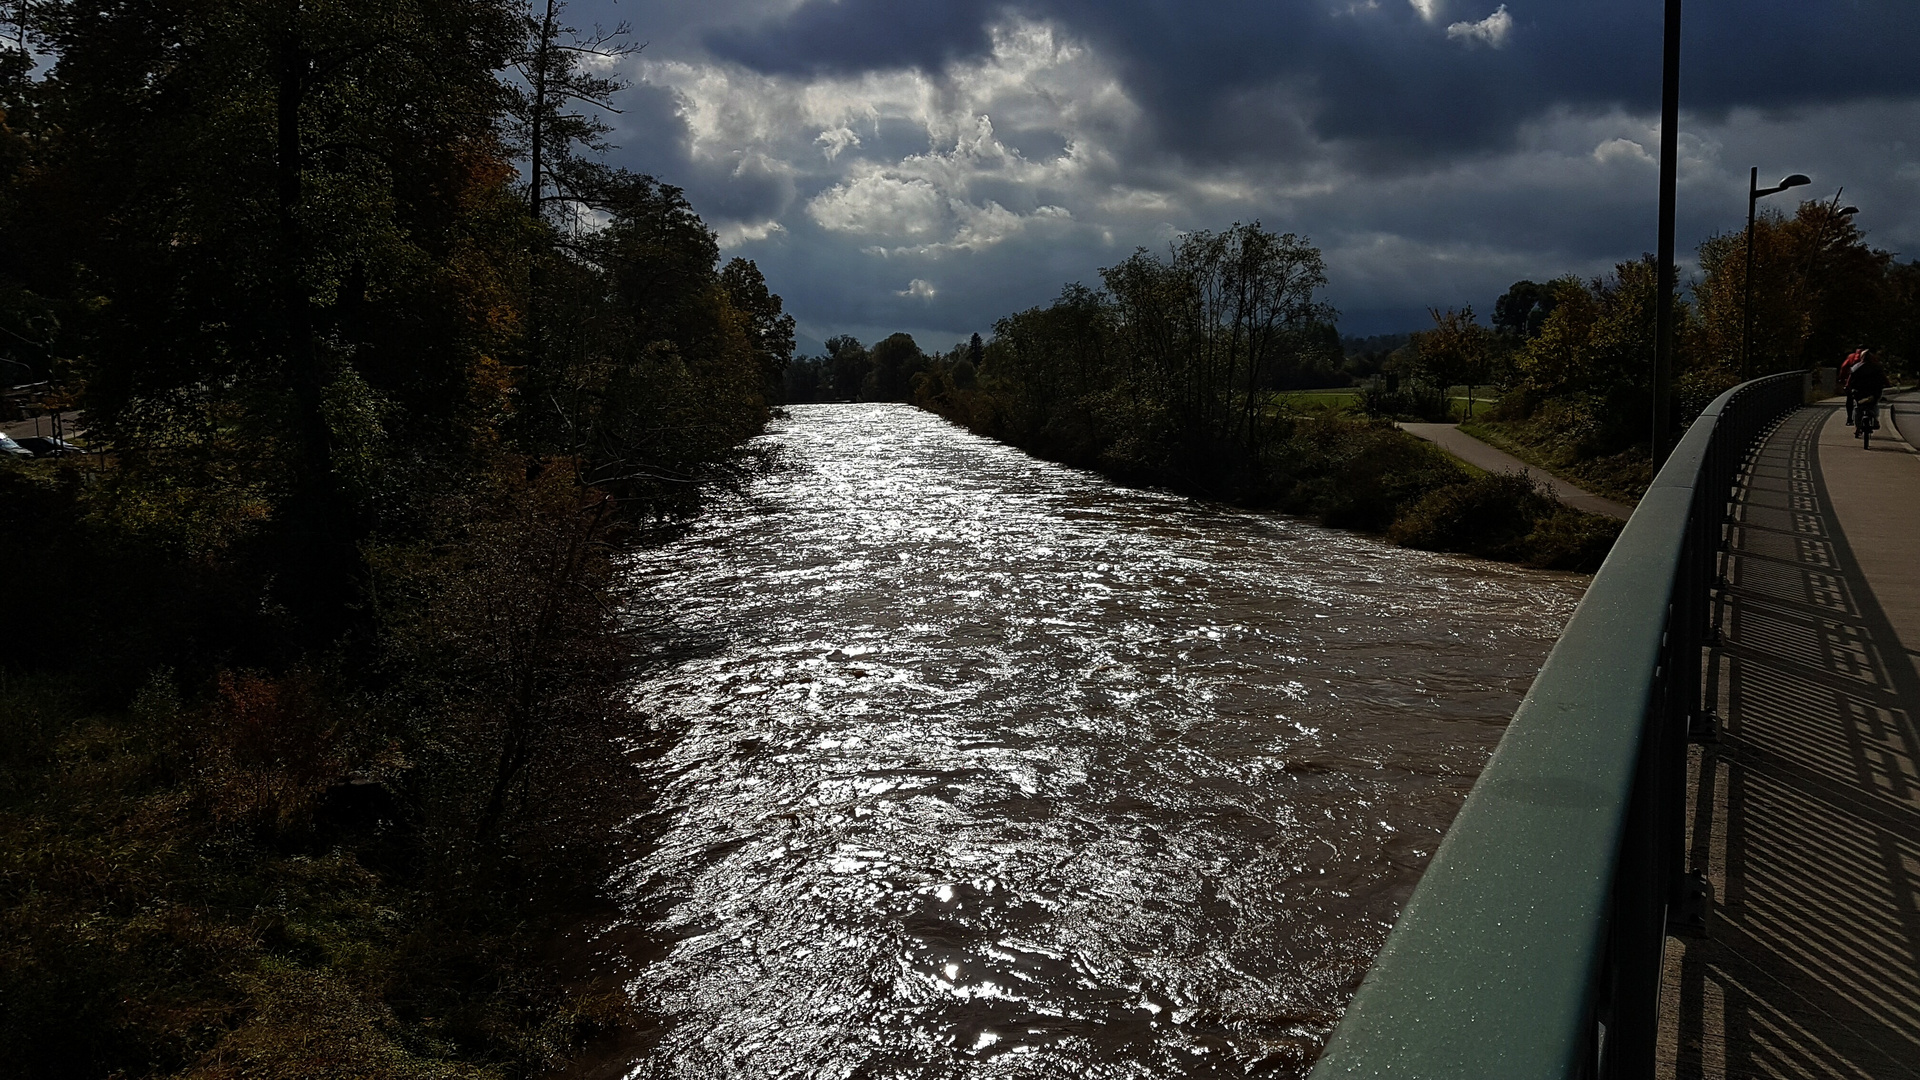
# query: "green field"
{"points": [[1319, 399], [1349, 398]]}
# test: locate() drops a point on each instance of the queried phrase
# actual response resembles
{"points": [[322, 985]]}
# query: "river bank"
{"points": [[1343, 470]]}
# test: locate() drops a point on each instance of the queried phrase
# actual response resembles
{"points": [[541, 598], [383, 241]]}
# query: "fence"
{"points": [[1533, 945]]}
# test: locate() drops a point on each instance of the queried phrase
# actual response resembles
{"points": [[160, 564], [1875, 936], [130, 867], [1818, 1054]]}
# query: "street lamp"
{"points": [[1754, 194]]}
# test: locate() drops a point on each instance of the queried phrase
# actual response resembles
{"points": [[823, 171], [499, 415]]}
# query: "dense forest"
{"points": [[304, 724]]}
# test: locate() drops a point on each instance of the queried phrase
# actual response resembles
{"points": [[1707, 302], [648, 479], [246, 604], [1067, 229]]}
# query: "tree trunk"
{"points": [[322, 570]]}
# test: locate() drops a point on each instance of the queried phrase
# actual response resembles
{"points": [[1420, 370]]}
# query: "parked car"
{"points": [[48, 446], [13, 449]]}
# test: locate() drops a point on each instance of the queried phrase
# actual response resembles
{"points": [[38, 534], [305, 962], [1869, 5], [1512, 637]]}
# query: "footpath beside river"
{"points": [[1806, 815], [974, 763]]}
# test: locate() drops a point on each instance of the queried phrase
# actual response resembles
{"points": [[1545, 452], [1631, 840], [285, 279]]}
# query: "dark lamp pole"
{"points": [[1754, 194], [1663, 302]]}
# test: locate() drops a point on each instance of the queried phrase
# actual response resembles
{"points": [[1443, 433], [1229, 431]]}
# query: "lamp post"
{"points": [[1754, 195]]}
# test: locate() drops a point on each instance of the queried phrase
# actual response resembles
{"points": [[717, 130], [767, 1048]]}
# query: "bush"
{"points": [[1489, 516], [1506, 516], [1570, 540], [1358, 474], [1406, 401]]}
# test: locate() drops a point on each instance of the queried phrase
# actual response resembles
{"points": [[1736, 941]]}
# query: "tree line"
{"points": [[1569, 358], [307, 728], [1173, 371]]}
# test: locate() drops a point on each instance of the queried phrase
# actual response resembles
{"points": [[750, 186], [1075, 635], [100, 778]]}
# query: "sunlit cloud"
{"points": [[733, 234], [1491, 31]]}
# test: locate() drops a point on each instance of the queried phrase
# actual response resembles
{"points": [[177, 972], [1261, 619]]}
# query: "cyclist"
{"points": [[1864, 384], [1846, 369]]}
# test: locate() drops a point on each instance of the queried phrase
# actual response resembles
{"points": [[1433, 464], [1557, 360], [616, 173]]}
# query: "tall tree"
{"points": [[1454, 352], [1817, 290]]}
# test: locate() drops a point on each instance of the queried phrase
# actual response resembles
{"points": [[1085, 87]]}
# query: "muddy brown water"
{"points": [[981, 766]]}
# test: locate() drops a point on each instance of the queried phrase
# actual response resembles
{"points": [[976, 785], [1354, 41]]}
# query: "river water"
{"points": [[981, 766]]}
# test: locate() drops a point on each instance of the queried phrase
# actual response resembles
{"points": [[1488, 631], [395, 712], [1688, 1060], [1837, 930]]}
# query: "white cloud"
{"points": [[1621, 150], [834, 140], [1491, 31], [919, 289], [734, 234], [1428, 9], [879, 205]]}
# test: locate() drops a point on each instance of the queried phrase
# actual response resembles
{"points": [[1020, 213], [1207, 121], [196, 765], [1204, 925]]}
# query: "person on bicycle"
{"points": [[1864, 384], [1846, 369]]}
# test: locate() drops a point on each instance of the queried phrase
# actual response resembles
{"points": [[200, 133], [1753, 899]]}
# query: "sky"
{"points": [[929, 167]]}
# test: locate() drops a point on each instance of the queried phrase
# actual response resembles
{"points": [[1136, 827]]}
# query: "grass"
{"points": [[1337, 399], [1621, 478], [1319, 399]]}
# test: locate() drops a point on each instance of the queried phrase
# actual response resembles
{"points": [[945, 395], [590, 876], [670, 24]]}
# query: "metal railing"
{"points": [[1533, 944]]}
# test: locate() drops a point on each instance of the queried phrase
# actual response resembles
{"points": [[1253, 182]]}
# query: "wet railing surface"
{"points": [[1532, 947], [974, 765]]}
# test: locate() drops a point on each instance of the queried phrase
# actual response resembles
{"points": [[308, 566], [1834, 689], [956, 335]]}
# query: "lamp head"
{"points": [[1795, 180], [1845, 210]]}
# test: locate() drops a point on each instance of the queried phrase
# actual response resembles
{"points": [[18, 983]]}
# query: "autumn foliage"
{"points": [[311, 744]]}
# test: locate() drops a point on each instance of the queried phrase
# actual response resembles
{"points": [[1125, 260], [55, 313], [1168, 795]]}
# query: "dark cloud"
{"points": [[859, 35], [648, 129], [1451, 167], [1381, 80]]}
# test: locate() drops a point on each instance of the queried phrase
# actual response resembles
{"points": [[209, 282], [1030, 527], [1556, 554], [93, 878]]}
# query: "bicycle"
{"points": [[1866, 420]]}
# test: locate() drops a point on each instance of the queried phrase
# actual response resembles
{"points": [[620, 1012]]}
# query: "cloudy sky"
{"points": [[928, 166]]}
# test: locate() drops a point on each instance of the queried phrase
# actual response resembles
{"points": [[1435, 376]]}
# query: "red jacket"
{"points": [[1867, 378]]}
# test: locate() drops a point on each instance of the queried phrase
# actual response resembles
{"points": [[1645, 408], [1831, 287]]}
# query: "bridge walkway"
{"points": [[1806, 815]]}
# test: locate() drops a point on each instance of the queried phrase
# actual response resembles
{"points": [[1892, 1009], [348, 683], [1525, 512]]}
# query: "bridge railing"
{"points": [[1532, 946]]}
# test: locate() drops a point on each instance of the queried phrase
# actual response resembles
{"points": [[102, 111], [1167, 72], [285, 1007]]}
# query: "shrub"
{"points": [[1488, 516], [1506, 516], [1570, 540]]}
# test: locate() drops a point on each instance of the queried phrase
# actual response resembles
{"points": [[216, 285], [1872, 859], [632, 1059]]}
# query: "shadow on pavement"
{"points": [[1807, 814]]}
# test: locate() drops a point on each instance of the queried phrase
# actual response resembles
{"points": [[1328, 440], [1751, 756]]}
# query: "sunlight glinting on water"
{"points": [[981, 766]]}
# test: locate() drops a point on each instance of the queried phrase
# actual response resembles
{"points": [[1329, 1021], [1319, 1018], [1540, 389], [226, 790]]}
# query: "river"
{"points": [[980, 766]]}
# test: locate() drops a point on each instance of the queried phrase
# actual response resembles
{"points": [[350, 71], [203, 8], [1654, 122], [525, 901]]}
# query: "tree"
{"points": [[770, 329], [849, 366], [1818, 291], [1522, 309], [1227, 318], [1455, 351], [562, 141], [896, 360], [1589, 360], [250, 213]]}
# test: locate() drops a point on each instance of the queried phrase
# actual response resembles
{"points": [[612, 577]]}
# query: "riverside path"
{"points": [[1480, 455], [1805, 815]]}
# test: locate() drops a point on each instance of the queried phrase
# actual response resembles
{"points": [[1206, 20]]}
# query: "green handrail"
{"points": [[1533, 941]]}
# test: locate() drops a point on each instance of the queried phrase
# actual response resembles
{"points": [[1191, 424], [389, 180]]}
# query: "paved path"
{"points": [[1903, 416], [1806, 816], [20, 429], [1450, 438]]}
